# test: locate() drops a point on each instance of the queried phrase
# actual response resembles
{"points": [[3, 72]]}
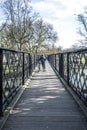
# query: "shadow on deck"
{"points": [[46, 105]]}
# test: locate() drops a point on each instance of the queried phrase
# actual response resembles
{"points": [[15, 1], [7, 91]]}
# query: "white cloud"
{"points": [[60, 7], [60, 13]]}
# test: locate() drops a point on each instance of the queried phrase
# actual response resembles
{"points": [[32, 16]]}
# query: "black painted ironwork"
{"points": [[72, 67], [1, 81], [15, 69], [78, 73], [26, 66], [57, 62], [12, 75]]}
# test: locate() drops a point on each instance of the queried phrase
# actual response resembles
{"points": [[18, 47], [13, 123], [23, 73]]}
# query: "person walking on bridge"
{"points": [[43, 59]]}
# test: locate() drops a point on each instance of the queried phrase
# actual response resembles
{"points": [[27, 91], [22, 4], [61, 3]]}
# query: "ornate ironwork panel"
{"points": [[78, 72], [15, 68], [34, 60], [65, 66], [26, 66], [72, 67], [12, 75], [53, 60], [57, 62]]}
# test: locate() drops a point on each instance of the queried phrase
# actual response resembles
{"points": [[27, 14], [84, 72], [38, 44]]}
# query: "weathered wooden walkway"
{"points": [[46, 105]]}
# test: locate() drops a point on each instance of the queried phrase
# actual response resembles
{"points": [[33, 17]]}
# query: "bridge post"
{"points": [[30, 65], [61, 64], [34, 61], [1, 82], [55, 61], [68, 68], [23, 70]]}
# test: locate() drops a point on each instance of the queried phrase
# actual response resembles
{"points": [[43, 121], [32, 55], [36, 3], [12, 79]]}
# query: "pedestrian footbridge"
{"points": [[46, 103]]}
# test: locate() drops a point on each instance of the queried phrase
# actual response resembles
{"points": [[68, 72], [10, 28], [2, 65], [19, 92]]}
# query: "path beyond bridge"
{"points": [[46, 105]]}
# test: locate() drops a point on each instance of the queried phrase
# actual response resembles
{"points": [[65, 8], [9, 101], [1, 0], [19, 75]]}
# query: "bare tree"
{"points": [[19, 22], [82, 18], [43, 33], [24, 29]]}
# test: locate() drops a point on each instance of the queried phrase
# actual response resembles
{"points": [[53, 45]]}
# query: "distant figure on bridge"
{"points": [[43, 59]]}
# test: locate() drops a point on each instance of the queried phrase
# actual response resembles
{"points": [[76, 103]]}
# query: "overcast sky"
{"points": [[61, 13]]}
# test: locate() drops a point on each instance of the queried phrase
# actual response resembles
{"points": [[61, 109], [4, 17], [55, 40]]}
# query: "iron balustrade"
{"points": [[72, 67], [15, 69]]}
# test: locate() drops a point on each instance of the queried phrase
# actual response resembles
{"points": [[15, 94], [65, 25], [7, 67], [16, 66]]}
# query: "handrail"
{"points": [[15, 68], [72, 67]]}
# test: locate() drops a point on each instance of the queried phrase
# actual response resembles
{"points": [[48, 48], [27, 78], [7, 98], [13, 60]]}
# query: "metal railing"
{"points": [[72, 67], [15, 69]]}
